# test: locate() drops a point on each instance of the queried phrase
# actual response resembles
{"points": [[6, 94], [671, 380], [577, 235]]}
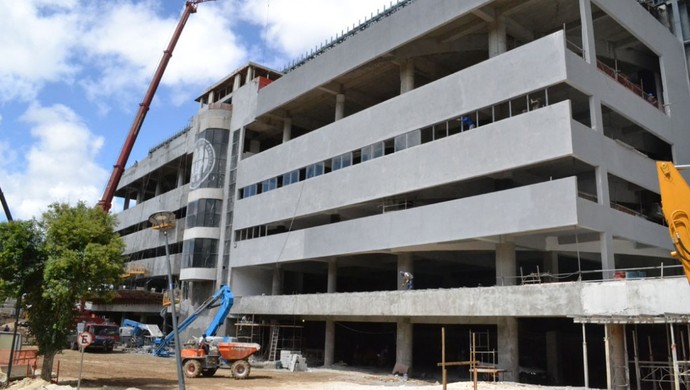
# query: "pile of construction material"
{"points": [[293, 361]]}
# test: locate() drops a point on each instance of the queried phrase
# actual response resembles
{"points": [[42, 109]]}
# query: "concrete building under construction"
{"points": [[501, 151]]}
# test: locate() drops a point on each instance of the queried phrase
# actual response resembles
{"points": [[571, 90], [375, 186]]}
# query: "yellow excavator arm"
{"points": [[675, 204]]}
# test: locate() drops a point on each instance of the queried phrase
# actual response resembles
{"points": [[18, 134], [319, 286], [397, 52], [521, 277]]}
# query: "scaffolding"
{"points": [[272, 336], [662, 369]]}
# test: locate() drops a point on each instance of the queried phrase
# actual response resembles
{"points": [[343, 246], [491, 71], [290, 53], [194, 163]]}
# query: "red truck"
{"points": [[105, 336]]}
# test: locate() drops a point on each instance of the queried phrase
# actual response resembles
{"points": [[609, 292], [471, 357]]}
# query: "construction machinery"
{"points": [[198, 360], [675, 205], [118, 169], [206, 361], [136, 334]]}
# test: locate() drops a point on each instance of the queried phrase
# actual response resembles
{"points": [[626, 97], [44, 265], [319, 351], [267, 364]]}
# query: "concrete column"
{"points": [[406, 76], [236, 83], [158, 188], [403, 346], [554, 367], [595, 116], [615, 335], [675, 14], [332, 284], [211, 97], [602, 178], [277, 285], [608, 262], [126, 205], [250, 75], [404, 265], [589, 51], [550, 263], [497, 35], [507, 341], [140, 195], [329, 345], [505, 264], [287, 129], [605, 238], [299, 282], [339, 106], [180, 178]]}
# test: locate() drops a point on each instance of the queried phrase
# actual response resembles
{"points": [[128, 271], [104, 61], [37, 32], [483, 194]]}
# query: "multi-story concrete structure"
{"points": [[481, 145]]}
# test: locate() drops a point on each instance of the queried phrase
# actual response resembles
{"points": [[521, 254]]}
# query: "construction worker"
{"points": [[407, 280], [468, 122], [203, 344]]}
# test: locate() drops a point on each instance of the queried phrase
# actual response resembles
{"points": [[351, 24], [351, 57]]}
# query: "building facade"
{"points": [[500, 151]]}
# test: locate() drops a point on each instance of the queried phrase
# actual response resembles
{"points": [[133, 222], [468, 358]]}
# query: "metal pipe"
{"points": [[676, 382], [5, 206], [584, 356], [18, 303], [178, 359], [17, 309]]}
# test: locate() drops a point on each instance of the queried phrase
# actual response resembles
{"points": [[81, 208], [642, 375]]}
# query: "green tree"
{"points": [[83, 255], [21, 257]]}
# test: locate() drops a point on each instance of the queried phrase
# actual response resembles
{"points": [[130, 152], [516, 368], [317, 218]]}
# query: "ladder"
{"points": [[273, 350]]}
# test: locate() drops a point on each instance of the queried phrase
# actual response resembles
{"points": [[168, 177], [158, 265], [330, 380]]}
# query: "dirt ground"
{"points": [[121, 370]]}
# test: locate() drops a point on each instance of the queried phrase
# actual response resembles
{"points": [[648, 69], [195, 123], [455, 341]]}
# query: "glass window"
{"points": [[315, 169], [204, 212], [270, 184], [291, 177], [342, 161], [372, 151], [199, 253], [249, 191], [408, 140]]}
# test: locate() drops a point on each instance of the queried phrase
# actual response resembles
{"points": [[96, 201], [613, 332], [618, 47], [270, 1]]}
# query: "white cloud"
{"points": [[60, 166], [126, 41], [111, 50], [36, 37], [295, 26]]}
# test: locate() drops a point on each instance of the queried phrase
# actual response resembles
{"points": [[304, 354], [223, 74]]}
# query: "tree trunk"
{"points": [[47, 367]]}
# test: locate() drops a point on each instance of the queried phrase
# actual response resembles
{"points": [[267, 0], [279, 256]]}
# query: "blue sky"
{"points": [[73, 72]]}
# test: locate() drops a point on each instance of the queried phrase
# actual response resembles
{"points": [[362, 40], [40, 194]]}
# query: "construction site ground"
{"points": [[122, 370]]}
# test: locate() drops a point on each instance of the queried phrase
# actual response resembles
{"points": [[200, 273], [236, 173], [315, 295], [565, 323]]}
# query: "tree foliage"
{"points": [[21, 257], [76, 253]]}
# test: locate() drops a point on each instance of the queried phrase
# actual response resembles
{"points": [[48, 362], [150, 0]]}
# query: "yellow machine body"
{"points": [[675, 205]]}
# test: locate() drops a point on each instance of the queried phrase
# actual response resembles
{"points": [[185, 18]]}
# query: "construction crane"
{"points": [[118, 169]]}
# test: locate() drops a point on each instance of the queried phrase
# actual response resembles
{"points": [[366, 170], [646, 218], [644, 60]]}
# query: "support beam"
{"points": [[406, 76], [505, 264], [329, 344], [277, 285], [403, 347], [332, 284], [508, 356], [588, 45]]}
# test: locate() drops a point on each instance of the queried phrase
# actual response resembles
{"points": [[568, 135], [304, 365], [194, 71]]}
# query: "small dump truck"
{"points": [[197, 361]]}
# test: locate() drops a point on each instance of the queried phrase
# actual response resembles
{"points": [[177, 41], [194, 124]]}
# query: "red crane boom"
{"points": [[118, 169]]}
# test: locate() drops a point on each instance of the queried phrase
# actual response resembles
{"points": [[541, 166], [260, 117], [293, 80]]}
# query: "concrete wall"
{"points": [[479, 86], [411, 22], [542, 206], [624, 297]]}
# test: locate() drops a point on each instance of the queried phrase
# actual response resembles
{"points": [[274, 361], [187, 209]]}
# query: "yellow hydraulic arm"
{"points": [[675, 204]]}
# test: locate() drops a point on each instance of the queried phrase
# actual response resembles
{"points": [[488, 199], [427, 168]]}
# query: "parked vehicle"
{"points": [[206, 361], [105, 336]]}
